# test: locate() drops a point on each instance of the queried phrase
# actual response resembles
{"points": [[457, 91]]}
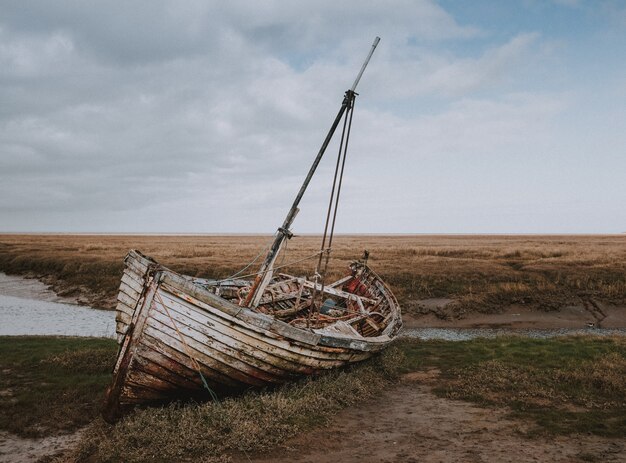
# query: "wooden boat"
{"points": [[182, 337]]}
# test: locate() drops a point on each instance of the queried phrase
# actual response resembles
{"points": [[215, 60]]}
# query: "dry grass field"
{"points": [[481, 273]]}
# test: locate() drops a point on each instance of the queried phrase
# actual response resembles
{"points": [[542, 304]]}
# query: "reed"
{"points": [[481, 273]]}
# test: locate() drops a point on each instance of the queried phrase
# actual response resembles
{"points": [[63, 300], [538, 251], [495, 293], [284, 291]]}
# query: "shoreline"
{"points": [[520, 317], [440, 281], [592, 314], [48, 288], [34, 288]]}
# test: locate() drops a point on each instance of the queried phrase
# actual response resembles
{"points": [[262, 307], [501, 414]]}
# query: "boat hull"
{"points": [[180, 340]]}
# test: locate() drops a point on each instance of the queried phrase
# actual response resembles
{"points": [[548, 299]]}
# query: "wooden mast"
{"points": [[284, 233]]}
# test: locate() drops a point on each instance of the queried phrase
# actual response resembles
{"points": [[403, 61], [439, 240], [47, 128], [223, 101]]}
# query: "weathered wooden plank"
{"points": [[214, 349], [130, 292], [143, 377], [137, 277], [124, 298], [123, 308], [136, 266], [157, 377], [200, 293], [162, 366], [340, 282], [274, 300], [134, 284], [123, 317], [183, 311], [253, 348], [334, 291], [134, 257], [138, 393], [372, 323], [207, 360], [121, 327], [182, 359]]}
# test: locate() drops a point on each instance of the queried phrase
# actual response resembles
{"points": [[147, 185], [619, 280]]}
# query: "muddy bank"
{"points": [[410, 424], [591, 313], [50, 288], [28, 307], [15, 449], [78, 292], [31, 288]]}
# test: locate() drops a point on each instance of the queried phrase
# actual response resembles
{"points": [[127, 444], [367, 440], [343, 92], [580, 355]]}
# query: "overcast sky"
{"points": [[203, 117]]}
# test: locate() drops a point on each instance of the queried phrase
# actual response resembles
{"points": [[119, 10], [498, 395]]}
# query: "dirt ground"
{"points": [[407, 423], [15, 449], [590, 313], [410, 424]]}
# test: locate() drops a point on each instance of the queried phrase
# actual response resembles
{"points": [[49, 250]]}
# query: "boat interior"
{"points": [[358, 304]]}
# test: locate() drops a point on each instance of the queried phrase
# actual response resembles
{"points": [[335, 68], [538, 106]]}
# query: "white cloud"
{"points": [[112, 120]]}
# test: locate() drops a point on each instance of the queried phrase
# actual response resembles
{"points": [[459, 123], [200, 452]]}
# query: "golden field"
{"points": [[480, 273]]}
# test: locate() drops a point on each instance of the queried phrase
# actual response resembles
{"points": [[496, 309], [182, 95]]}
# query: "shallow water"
{"points": [[27, 307], [33, 316], [464, 334]]}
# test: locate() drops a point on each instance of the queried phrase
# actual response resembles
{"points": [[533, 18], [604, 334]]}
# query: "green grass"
{"points": [[564, 385], [49, 384]]}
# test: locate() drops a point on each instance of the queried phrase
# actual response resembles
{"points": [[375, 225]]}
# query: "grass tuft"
{"points": [[255, 422]]}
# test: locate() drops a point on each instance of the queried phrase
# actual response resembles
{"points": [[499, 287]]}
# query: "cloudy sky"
{"points": [[203, 117]]}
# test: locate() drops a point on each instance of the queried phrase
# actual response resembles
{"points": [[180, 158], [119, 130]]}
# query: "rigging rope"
{"points": [[194, 362], [332, 190], [275, 268], [320, 273], [263, 251], [343, 165]]}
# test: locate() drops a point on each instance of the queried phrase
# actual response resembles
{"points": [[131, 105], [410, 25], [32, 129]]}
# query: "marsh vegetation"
{"points": [[481, 273]]}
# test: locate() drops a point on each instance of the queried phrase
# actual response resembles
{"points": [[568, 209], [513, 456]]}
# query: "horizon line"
{"points": [[316, 234]]}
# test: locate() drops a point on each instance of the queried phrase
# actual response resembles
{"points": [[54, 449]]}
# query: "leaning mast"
{"points": [[284, 233]]}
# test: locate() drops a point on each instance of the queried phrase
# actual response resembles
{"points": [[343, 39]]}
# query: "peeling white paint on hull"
{"points": [[174, 331]]}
